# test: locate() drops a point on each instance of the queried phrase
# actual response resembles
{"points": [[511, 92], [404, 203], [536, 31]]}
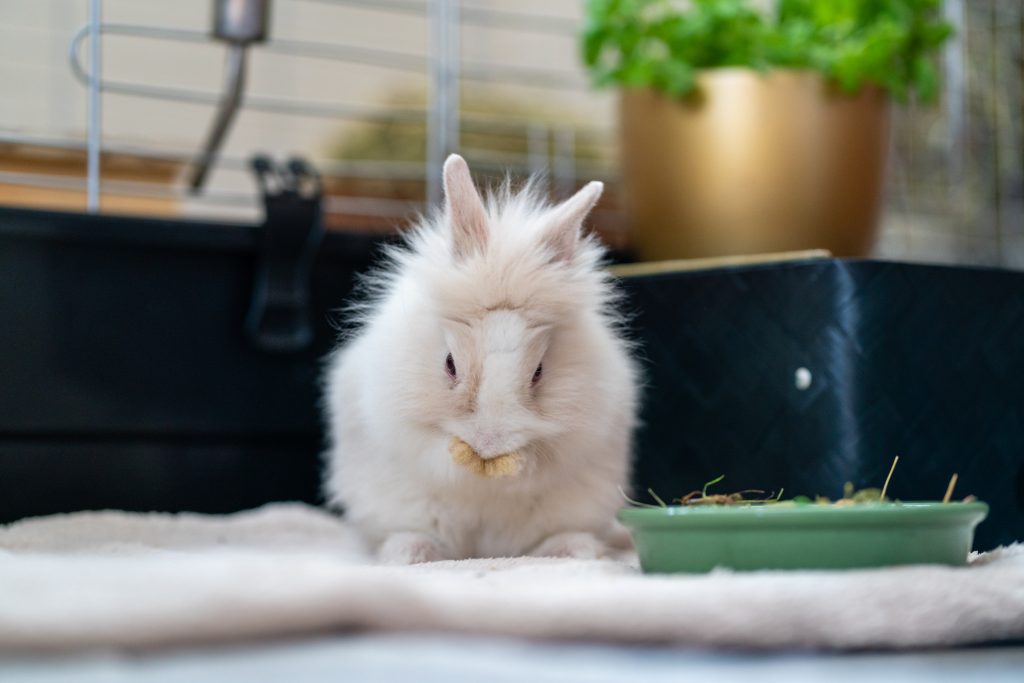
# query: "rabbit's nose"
{"points": [[489, 444], [486, 442]]}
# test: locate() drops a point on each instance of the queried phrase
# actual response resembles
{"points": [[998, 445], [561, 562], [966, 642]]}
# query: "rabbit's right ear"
{"points": [[464, 209]]}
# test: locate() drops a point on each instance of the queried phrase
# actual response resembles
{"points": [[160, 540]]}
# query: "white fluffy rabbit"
{"points": [[493, 324]]}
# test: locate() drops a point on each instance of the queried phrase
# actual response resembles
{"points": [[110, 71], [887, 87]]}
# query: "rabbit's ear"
{"points": [[464, 209], [564, 223]]}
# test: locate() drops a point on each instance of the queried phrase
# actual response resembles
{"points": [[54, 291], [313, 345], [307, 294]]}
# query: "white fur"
{"points": [[524, 288]]}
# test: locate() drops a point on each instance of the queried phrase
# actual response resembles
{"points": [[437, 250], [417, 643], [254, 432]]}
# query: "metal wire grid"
{"points": [[443, 67], [956, 187]]}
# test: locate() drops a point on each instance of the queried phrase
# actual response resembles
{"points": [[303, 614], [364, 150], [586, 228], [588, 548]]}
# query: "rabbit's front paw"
{"points": [[580, 545], [409, 547]]}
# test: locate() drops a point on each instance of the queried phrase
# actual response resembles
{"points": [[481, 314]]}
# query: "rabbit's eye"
{"points": [[449, 366], [538, 372]]}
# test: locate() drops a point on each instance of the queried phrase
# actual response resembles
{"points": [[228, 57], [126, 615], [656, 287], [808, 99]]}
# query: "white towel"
{"points": [[115, 579]]}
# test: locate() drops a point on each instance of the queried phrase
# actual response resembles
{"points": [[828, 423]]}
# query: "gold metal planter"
{"points": [[754, 163]]}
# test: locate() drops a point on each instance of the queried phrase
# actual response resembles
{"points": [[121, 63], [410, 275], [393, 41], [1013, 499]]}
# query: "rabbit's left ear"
{"points": [[565, 222]]}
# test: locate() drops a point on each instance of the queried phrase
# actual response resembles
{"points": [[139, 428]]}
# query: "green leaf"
{"points": [[926, 79]]}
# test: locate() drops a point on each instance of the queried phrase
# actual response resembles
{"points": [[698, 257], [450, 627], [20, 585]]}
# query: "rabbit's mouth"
{"points": [[502, 465]]}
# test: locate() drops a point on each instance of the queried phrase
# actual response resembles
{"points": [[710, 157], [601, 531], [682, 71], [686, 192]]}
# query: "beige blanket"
{"points": [[114, 579]]}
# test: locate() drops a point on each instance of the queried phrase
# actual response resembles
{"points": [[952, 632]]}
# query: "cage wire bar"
{"points": [[443, 108], [95, 109], [955, 100]]}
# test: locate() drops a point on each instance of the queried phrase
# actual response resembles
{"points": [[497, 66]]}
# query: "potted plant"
{"points": [[747, 130]]}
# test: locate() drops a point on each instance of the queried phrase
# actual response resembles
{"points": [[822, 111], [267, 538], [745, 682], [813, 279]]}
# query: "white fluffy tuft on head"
{"points": [[471, 223], [494, 325]]}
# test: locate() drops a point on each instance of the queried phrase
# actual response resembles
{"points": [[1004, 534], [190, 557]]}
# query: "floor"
{"points": [[454, 659]]}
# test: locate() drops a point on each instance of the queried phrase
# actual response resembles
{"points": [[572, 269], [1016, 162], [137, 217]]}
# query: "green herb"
{"points": [[702, 498], [704, 491], [657, 44]]}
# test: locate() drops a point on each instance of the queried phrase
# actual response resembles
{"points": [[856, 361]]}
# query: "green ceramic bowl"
{"points": [[794, 536]]}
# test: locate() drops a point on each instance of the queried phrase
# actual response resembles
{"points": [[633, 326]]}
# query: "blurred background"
{"points": [[375, 92]]}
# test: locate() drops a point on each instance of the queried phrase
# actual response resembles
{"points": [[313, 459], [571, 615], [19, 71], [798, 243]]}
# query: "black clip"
{"points": [[279, 317]]}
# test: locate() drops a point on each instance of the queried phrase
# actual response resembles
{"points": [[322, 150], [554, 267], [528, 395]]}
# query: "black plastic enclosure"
{"points": [[127, 379]]}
